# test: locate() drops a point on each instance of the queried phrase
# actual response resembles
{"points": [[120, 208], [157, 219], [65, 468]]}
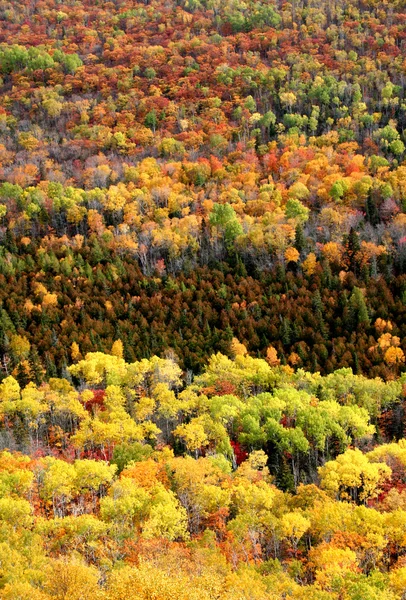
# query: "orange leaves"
{"points": [[388, 345], [147, 474], [370, 251], [95, 221], [24, 176], [237, 349], [333, 252], [380, 325], [291, 254], [394, 356], [272, 357]]}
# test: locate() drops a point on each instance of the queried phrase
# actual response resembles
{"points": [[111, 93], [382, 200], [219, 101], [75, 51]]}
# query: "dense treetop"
{"points": [[244, 160], [253, 481], [202, 300]]}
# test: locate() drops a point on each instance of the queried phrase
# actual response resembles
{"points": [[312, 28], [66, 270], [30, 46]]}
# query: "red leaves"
{"points": [[97, 402], [239, 453]]}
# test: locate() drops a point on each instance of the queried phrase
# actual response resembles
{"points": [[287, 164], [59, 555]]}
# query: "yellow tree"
{"points": [[353, 477]]}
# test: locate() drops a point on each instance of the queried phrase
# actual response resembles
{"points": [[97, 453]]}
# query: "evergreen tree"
{"points": [[300, 240], [37, 370], [371, 210], [358, 308], [353, 246]]}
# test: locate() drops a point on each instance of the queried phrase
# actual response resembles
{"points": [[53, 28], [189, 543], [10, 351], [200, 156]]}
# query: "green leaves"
{"points": [[15, 58]]}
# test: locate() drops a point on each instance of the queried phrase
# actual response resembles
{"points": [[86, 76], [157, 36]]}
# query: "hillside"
{"points": [[202, 300], [244, 160]]}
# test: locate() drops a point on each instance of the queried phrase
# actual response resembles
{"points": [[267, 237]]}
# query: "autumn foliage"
{"points": [[202, 300]]}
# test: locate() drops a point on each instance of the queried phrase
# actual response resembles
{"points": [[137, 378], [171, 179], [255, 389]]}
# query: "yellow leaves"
{"points": [[16, 512], [28, 141], [117, 196], [294, 526], [75, 351], [168, 405], [20, 346], [330, 217], [387, 340], [16, 482], [298, 190], [370, 250], [167, 518], [75, 214], [351, 476], [57, 478], [72, 579], [287, 98], [92, 474], [9, 394], [331, 562], [32, 401], [149, 582], [254, 498], [193, 434], [63, 399], [153, 508], [53, 107], [117, 349], [98, 367], [395, 527], [111, 426], [20, 590], [333, 252], [146, 473], [291, 254], [389, 451], [125, 240], [143, 136], [95, 221], [309, 264], [144, 408], [257, 460], [397, 581], [99, 175], [49, 300]]}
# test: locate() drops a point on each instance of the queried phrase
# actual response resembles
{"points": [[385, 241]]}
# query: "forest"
{"points": [[202, 300], [254, 481], [242, 159]]}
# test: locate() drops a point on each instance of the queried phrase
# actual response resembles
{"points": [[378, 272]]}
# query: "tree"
{"points": [[359, 307], [71, 579], [117, 349], [294, 209], [351, 476]]}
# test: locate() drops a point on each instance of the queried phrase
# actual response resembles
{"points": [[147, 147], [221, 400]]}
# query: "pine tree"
{"points": [[51, 370], [300, 239], [358, 308], [371, 210], [37, 370], [318, 311], [23, 375], [285, 332], [353, 246]]}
